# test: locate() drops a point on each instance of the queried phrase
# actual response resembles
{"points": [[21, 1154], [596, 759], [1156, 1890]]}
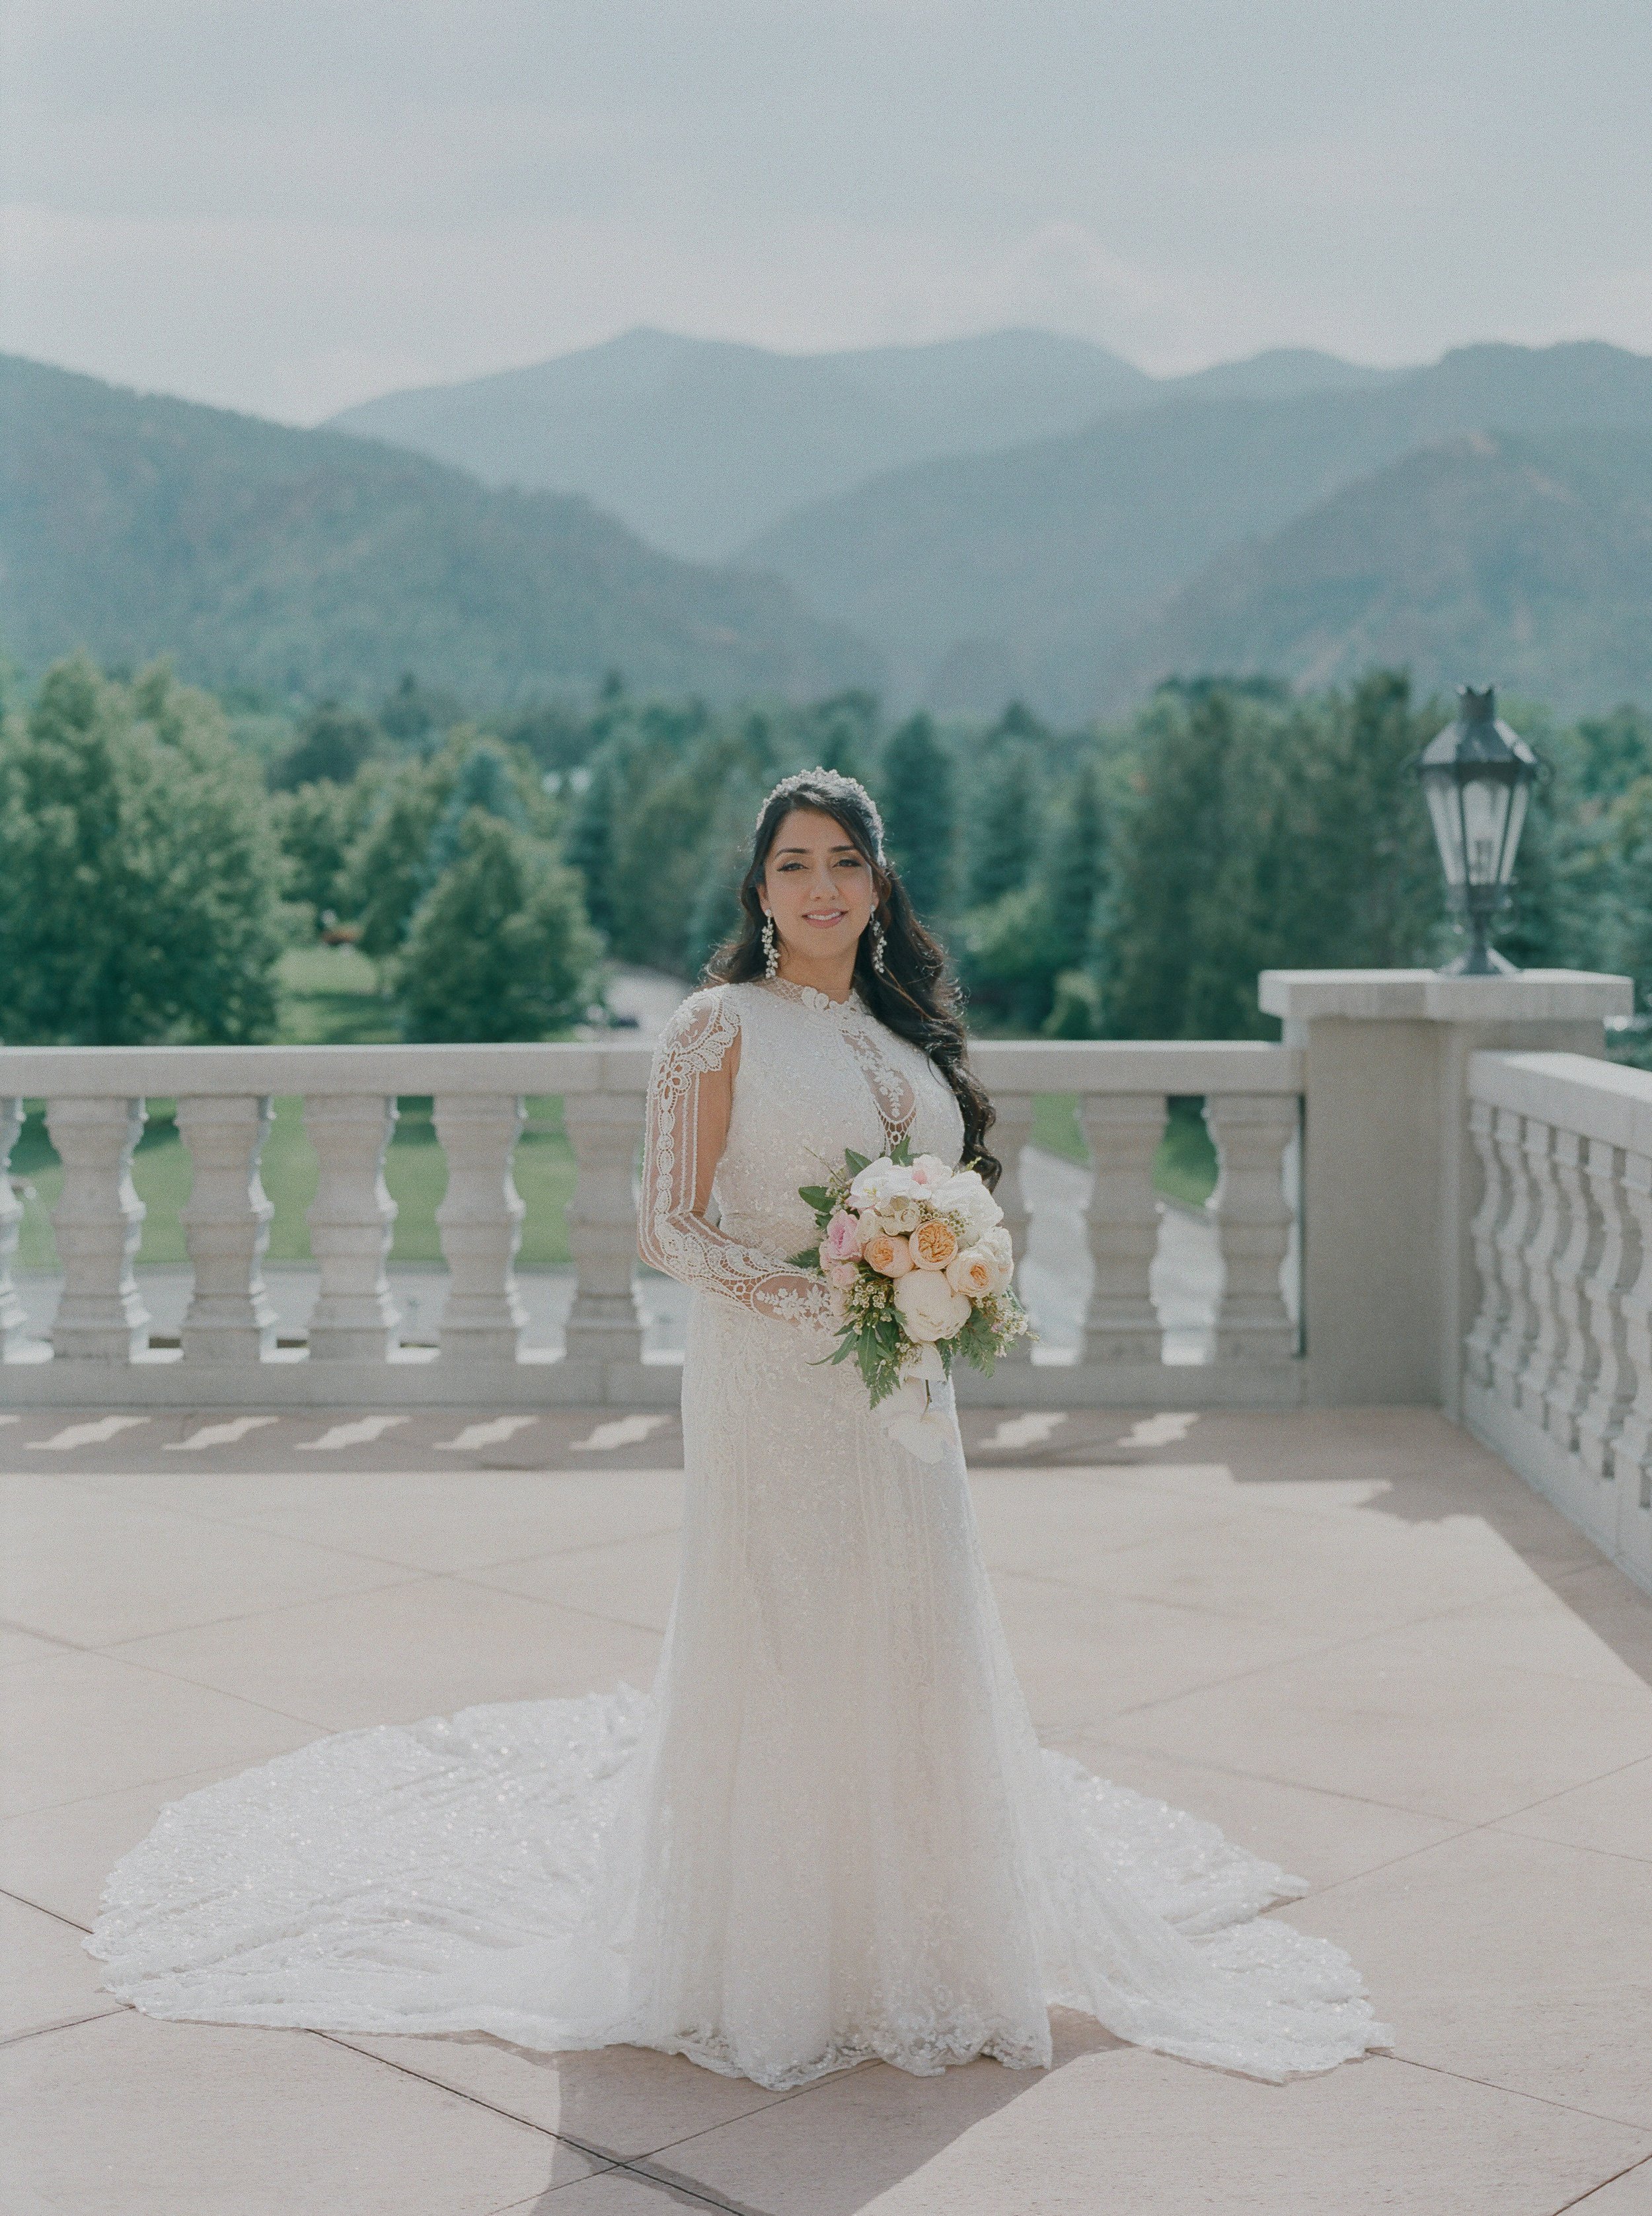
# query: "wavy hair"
{"points": [[916, 996]]}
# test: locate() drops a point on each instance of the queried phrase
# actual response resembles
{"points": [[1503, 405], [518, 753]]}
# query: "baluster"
{"points": [[481, 1223], [1495, 1197], [1520, 1320], [99, 1221], [226, 1217], [1617, 1265], [1575, 1365], [1548, 1235], [1011, 1133], [12, 1223], [1251, 1132], [1123, 1130], [603, 1129], [350, 1218], [1631, 1451]]}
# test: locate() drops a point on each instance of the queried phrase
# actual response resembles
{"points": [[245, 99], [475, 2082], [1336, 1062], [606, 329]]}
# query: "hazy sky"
{"points": [[289, 206]]}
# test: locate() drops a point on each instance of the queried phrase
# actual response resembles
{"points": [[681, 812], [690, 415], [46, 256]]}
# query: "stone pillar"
{"points": [[603, 1129], [1617, 1264], [11, 1224], [1251, 1132], [481, 1222], [226, 1219], [1123, 1131], [1567, 1392], [1010, 1135], [99, 1221], [350, 1220], [1389, 1188]]}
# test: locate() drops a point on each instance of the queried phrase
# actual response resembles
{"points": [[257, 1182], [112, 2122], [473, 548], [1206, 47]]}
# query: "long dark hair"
{"points": [[916, 996]]}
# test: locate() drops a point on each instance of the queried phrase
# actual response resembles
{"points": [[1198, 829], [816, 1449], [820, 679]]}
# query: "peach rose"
{"points": [[890, 1256], [973, 1271], [934, 1246]]}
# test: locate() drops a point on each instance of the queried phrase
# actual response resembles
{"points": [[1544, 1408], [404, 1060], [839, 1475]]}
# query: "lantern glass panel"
{"points": [[1442, 796], [1485, 823], [1518, 799]]}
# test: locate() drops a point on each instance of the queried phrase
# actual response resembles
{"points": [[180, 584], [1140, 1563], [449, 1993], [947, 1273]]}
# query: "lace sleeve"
{"points": [[690, 1093]]}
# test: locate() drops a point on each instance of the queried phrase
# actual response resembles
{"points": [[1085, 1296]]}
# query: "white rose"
{"points": [[975, 1271], [928, 1306], [929, 1171], [965, 1196]]}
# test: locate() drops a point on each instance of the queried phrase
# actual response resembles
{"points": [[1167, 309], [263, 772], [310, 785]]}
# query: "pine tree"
{"points": [[920, 822]]}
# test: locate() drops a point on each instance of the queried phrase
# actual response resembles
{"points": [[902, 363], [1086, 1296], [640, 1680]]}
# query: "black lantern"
{"points": [[1476, 778]]}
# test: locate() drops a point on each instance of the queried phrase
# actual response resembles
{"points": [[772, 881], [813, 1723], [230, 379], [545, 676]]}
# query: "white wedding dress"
{"points": [[829, 1833]]}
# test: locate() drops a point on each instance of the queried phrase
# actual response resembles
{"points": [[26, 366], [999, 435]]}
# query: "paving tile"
{"points": [[405, 1652], [49, 1978], [1613, 1815], [616, 2192], [1084, 1656], [1379, 1719], [1129, 2133], [1321, 1836], [455, 1519], [81, 1566], [1324, 1575], [1044, 1522], [84, 1723], [621, 2101], [153, 2119], [59, 1857], [1516, 1961], [837, 2146], [629, 1581]]}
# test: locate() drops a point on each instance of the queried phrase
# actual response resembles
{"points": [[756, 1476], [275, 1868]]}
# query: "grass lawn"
{"points": [[1183, 1169]]}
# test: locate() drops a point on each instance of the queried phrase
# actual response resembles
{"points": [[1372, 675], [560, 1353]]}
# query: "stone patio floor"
{"points": [[1353, 1639]]}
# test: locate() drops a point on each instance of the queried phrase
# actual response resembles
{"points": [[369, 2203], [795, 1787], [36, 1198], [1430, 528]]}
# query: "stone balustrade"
{"points": [[1557, 1363], [100, 1353]]}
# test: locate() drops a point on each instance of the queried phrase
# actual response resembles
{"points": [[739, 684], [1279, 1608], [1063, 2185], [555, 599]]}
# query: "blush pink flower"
{"points": [[842, 1240], [839, 1273]]}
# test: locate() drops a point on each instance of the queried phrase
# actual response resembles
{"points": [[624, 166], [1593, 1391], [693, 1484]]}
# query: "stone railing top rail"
{"points": [[1574, 1092], [1423, 995], [1172, 1066]]}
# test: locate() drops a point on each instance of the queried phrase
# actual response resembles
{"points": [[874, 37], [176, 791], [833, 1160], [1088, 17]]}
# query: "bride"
{"points": [[830, 1833]]}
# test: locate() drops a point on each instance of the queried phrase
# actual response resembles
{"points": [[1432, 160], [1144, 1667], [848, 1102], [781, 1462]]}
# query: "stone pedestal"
{"points": [[1389, 1188]]}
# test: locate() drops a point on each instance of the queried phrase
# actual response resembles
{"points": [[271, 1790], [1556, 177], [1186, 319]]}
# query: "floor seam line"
{"points": [[1627, 2171], [41, 1909], [61, 2023], [1516, 2093], [440, 2085]]}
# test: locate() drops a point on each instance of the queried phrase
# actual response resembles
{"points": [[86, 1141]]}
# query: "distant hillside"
{"points": [[305, 562], [1022, 571], [1528, 560], [701, 444]]}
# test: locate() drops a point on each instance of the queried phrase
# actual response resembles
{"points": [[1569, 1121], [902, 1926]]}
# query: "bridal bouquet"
{"points": [[921, 1264]]}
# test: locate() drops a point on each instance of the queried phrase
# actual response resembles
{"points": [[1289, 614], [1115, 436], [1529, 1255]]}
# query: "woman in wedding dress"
{"points": [[830, 1833]]}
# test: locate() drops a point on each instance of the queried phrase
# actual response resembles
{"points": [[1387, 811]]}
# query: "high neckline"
{"points": [[811, 997]]}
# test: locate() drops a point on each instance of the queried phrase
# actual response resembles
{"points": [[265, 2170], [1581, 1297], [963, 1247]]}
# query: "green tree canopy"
{"points": [[139, 877], [500, 949], [919, 817]]}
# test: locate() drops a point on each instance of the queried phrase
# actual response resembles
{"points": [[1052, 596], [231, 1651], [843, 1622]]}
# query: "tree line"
{"points": [[159, 851]]}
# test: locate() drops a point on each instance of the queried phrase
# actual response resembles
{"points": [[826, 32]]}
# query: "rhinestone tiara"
{"points": [[833, 781]]}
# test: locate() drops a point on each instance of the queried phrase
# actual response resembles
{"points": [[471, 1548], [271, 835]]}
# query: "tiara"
{"points": [[832, 780]]}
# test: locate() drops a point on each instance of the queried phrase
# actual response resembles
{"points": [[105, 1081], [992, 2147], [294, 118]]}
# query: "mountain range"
{"points": [[701, 444], [1031, 570], [301, 564], [1526, 558]]}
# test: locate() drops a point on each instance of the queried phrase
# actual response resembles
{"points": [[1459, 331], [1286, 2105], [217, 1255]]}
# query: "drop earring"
{"points": [[770, 951], [878, 943]]}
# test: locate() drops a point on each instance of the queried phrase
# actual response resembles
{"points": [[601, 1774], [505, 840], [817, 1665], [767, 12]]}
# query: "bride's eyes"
{"points": [[840, 862]]}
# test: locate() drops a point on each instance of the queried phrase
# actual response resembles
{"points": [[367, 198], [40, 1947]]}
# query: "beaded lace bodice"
{"points": [[757, 1090]]}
